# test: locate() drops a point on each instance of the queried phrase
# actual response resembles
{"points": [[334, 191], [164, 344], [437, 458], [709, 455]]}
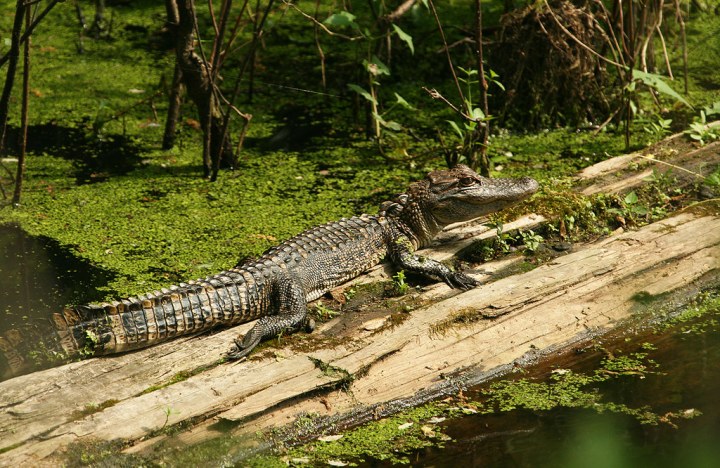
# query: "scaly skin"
{"points": [[277, 287]]}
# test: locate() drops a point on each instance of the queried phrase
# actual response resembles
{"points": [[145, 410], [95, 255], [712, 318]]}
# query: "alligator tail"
{"points": [[149, 319]]}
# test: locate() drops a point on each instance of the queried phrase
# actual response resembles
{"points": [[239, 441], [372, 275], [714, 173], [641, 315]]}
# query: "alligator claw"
{"points": [[460, 280], [242, 348], [237, 352]]}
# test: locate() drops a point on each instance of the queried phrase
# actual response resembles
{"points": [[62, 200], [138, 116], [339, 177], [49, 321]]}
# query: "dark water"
{"points": [[688, 377], [37, 278]]}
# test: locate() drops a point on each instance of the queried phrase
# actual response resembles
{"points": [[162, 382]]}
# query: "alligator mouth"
{"points": [[510, 193]]}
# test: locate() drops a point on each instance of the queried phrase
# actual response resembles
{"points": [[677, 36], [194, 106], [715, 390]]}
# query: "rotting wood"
{"points": [[594, 285], [552, 306], [592, 288]]}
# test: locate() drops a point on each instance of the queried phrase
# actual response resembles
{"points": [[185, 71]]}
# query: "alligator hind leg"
{"points": [[291, 317]]}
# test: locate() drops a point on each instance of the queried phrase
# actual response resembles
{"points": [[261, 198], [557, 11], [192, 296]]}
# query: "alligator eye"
{"points": [[467, 181]]}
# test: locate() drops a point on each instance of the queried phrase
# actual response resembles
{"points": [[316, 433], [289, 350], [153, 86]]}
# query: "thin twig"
{"points": [[665, 53], [212, 17], [578, 41], [449, 59], [29, 30], [615, 46], [320, 25], [673, 166], [23, 113], [435, 94], [399, 11], [649, 36], [607, 121], [485, 130], [318, 46], [219, 37], [236, 87], [233, 34], [678, 15]]}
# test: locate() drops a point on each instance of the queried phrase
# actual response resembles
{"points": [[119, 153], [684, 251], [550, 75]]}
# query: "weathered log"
{"points": [[547, 308]]}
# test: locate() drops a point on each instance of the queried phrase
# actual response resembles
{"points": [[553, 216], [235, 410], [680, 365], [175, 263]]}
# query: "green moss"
{"points": [[93, 408], [98, 454], [346, 378], [392, 438], [701, 315], [180, 377], [464, 316], [389, 439], [11, 447], [568, 389]]}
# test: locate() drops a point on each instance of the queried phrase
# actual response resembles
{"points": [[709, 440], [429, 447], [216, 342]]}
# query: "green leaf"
{"points": [[658, 83], [403, 102], [392, 125], [714, 109], [342, 19], [631, 198], [405, 37], [376, 67], [456, 128], [362, 92], [477, 114], [640, 210]]}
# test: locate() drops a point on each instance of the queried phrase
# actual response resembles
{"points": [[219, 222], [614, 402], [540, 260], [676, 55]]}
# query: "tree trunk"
{"points": [[24, 113], [99, 26], [482, 132], [198, 81], [174, 100], [13, 55]]}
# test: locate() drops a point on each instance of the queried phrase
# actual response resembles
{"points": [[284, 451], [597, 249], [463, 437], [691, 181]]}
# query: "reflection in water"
{"points": [[37, 278], [688, 378]]}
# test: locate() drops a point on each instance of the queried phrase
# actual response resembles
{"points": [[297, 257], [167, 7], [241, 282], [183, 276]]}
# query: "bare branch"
{"points": [[399, 11], [320, 25], [578, 41], [29, 30], [435, 94], [449, 59]]}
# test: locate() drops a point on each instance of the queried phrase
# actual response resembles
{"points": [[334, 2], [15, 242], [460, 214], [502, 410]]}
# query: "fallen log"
{"points": [[136, 395]]}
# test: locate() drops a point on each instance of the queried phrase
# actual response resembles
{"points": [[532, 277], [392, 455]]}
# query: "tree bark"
{"points": [[24, 114], [174, 100], [482, 132], [196, 76], [14, 56]]}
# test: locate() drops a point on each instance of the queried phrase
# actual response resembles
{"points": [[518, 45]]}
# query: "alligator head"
{"points": [[454, 195]]}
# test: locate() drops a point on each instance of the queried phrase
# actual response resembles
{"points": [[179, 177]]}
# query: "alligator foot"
{"points": [[457, 279], [268, 327]]}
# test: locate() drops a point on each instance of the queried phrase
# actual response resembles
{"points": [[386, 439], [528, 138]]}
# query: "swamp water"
{"points": [[682, 389], [38, 277]]}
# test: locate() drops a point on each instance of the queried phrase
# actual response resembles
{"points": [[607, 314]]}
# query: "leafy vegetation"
{"points": [[154, 229], [339, 124]]}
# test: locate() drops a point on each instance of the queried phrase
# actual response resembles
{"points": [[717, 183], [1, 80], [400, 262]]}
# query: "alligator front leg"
{"points": [[404, 257], [291, 316]]}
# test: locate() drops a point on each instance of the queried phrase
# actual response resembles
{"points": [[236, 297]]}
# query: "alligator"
{"points": [[277, 287]]}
